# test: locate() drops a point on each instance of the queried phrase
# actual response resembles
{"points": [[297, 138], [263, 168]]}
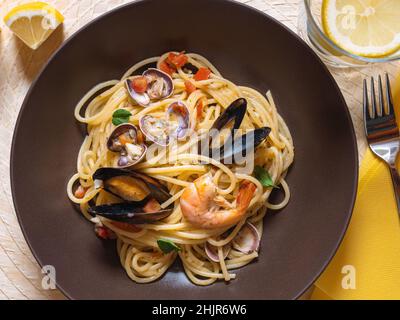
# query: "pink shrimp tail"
{"points": [[245, 194]]}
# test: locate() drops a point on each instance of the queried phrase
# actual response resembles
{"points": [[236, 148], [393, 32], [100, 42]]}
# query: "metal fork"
{"points": [[381, 129]]}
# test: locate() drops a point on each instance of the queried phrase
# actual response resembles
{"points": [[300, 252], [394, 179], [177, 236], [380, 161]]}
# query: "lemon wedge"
{"points": [[33, 22], [369, 28]]}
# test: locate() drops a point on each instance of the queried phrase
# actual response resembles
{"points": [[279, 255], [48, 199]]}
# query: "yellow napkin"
{"points": [[371, 246]]}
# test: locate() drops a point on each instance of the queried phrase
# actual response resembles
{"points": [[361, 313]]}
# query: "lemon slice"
{"points": [[33, 22], [369, 28]]}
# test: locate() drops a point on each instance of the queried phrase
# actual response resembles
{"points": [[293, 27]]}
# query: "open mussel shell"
{"points": [[235, 112], [141, 193], [130, 185], [232, 117], [240, 147], [160, 84], [155, 130], [178, 120], [158, 191], [248, 239], [132, 212], [142, 99], [125, 141], [212, 251]]}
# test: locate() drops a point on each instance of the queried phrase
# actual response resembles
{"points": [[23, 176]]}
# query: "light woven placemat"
{"points": [[20, 275]]}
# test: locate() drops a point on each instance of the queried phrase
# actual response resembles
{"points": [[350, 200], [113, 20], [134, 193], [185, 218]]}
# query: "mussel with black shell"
{"points": [[142, 196], [232, 148]]}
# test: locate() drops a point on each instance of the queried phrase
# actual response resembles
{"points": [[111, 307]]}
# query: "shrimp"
{"points": [[204, 208]]}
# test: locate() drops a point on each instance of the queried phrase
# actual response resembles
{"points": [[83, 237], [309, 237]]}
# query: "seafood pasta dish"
{"points": [[179, 162]]}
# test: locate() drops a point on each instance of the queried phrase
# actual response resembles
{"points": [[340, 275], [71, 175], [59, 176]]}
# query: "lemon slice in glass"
{"points": [[33, 22], [369, 28]]}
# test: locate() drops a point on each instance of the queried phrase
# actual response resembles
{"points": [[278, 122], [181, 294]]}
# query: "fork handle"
{"points": [[396, 185]]}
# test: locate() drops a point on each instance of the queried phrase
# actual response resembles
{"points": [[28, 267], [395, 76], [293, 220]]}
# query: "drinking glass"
{"points": [[310, 29]]}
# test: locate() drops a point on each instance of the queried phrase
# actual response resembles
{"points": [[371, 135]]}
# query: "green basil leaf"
{"points": [[118, 121], [263, 176], [121, 113], [167, 246], [120, 116]]}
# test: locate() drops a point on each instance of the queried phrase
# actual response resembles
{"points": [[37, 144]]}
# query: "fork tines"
{"points": [[379, 117]]}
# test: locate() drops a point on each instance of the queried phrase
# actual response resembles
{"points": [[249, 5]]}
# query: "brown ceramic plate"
{"points": [[249, 48]]}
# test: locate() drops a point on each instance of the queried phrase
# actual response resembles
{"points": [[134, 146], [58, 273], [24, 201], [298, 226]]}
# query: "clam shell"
{"points": [[212, 251], [123, 161], [248, 239], [147, 124], [182, 112], [142, 99], [153, 73]]}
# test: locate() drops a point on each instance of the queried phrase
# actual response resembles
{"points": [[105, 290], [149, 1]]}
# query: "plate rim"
{"points": [[243, 6]]}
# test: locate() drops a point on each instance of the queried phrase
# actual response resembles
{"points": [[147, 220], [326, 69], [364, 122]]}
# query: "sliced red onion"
{"points": [[248, 239], [212, 251]]}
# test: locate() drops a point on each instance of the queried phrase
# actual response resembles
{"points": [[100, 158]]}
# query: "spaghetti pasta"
{"points": [[137, 244]]}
